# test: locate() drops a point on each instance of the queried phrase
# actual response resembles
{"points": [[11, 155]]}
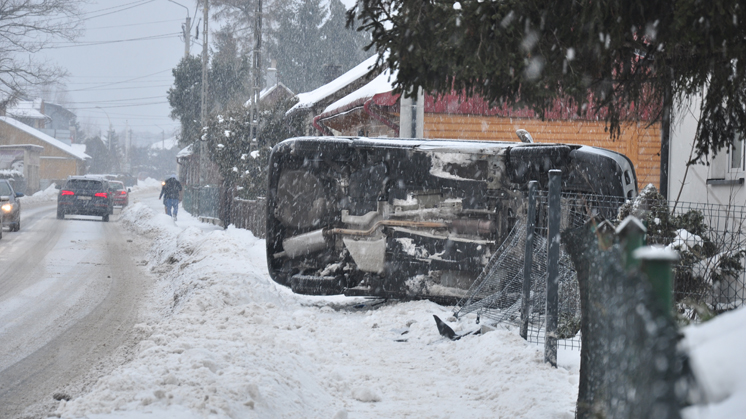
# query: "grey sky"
{"points": [[115, 74], [112, 73]]}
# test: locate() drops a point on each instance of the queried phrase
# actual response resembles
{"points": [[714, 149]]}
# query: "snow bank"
{"points": [[716, 357], [230, 343], [46, 195]]}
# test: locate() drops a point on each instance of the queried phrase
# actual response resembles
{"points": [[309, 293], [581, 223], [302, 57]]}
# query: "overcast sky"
{"points": [[120, 69]]}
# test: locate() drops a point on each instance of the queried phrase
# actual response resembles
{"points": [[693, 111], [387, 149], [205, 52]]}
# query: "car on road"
{"points": [[85, 195], [120, 193], [10, 206]]}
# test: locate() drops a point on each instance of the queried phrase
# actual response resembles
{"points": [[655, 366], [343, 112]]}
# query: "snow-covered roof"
{"points": [[185, 152], [80, 148], [75, 152], [166, 144], [308, 99], [267, 90], [26, 109], [381, 84]]}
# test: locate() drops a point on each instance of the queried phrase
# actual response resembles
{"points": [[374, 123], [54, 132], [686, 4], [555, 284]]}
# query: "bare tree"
{"points": [[27, 27]]}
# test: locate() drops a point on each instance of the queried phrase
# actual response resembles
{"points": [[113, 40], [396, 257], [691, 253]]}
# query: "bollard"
{"points": [[632, 233], [656, 262], [553, 251], [528, 258]]}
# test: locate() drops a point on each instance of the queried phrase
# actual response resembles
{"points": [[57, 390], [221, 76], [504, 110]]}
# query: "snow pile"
{"points": [[46, 195], [716, 357], [230, 343], [146, 185]]}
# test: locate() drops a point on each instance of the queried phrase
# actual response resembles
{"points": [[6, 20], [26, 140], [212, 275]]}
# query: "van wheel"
{"points": [[105, 218], [60, 214], [17, 225]]}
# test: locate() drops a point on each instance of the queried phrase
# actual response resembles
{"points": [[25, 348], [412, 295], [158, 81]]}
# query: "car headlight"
{"points": [[7, 207]]}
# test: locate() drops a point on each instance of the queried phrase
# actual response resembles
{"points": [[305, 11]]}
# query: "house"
{"points": [[719, 181], [274, 91], [57, 161], [20, 164], [29, 112], [61, 123], [372, 109], [311, 104]]}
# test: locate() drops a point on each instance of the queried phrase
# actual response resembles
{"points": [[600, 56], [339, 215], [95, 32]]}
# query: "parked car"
{"points": [[412, 218], [85, 195], [120, 193], [10, 206]]}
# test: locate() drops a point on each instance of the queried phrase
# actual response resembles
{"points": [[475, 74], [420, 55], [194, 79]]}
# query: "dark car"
{"points": [[412, 218], [120, 193], [85, 195], [10, 206]]}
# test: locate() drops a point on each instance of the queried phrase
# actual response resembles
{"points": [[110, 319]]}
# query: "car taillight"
{"points": [[63, 193], [102, 195], [122, 192]]}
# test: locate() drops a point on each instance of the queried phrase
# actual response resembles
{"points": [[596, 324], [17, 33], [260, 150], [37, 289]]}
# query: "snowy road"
{"points": [[68, 289]]}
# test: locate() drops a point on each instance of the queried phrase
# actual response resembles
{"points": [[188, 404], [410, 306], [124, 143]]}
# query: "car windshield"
{"points": [[117, 186], [4, 189], [83, 184]]}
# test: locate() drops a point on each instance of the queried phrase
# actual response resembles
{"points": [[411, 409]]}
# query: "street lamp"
{"points": [[186, 29]]}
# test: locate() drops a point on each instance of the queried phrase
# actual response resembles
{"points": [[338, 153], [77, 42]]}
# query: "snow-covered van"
{"points": [[364, 216]]}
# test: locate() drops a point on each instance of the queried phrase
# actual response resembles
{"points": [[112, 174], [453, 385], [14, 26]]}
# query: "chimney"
{"points": [[272, 74]]}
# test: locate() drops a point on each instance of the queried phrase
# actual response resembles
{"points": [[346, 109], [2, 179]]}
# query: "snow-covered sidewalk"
{"points": [[227, 342]]}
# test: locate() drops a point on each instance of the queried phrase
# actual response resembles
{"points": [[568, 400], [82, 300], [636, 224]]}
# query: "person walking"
{"points": [[171, 194]]}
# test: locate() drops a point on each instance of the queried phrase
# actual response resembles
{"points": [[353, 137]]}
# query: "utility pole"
{"points": [[203, 146], [186, 30], [256, 70]]}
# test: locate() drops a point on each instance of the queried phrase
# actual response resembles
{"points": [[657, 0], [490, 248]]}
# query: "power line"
{"points": [[121, 9], [123, 81], [122, 100], [134, 24], [124, 106], [116, 41]]}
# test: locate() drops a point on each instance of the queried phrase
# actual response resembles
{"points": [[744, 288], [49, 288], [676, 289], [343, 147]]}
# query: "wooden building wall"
{"points": [[638, 141], [54, 163]]}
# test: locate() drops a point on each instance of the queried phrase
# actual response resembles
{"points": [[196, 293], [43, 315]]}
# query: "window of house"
{"points": [[736, 155]]}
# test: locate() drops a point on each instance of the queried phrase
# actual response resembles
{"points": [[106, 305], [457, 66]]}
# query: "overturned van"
{"points": [[372, 217]]}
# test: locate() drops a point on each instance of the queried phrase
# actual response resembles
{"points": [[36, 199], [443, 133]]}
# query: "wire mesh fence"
{"points": [[710, 277], [496, 294]]}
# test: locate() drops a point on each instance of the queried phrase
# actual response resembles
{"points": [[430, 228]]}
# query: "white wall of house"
{"points": [[720, 182]]}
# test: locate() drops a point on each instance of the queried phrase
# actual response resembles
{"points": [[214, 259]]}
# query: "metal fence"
{"points": [[202, 201], [250, 215], [497, 292], [710, 277]]}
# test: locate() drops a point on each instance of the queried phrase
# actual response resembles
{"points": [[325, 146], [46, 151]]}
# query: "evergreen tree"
{"points": [[310, 35], [614, 57], [185, 98]]}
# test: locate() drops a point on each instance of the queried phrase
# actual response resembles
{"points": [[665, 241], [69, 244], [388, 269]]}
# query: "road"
{"points": [[69, 293]]}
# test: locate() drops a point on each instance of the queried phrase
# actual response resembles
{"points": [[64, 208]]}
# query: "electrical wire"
{"points": [[134, 24], [123, 81], [116, 41]]}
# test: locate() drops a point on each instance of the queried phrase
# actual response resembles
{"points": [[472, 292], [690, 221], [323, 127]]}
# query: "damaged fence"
{"points": [[709, 278]]}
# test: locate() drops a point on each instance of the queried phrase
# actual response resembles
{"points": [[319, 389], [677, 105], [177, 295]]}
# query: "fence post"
{"points": [[656, 264], [553, 248], [632, 232], [528, 258]]}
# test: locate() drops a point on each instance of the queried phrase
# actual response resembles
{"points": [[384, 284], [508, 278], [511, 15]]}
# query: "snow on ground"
{"points": [[230, 343], [716, 357]]}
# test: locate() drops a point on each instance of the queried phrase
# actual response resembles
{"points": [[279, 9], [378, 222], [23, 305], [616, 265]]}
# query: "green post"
{"points": [[656, 264], [632, 233]]}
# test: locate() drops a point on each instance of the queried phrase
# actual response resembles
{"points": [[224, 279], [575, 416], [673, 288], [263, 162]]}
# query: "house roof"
{"points": [[45, 138], [309, 99], [185, 152], [381, 84], [166, 144], [268, 90], [30, 109]]}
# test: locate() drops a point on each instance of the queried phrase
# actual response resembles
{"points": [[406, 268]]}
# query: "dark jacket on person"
{"points": [[171, 189]]}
